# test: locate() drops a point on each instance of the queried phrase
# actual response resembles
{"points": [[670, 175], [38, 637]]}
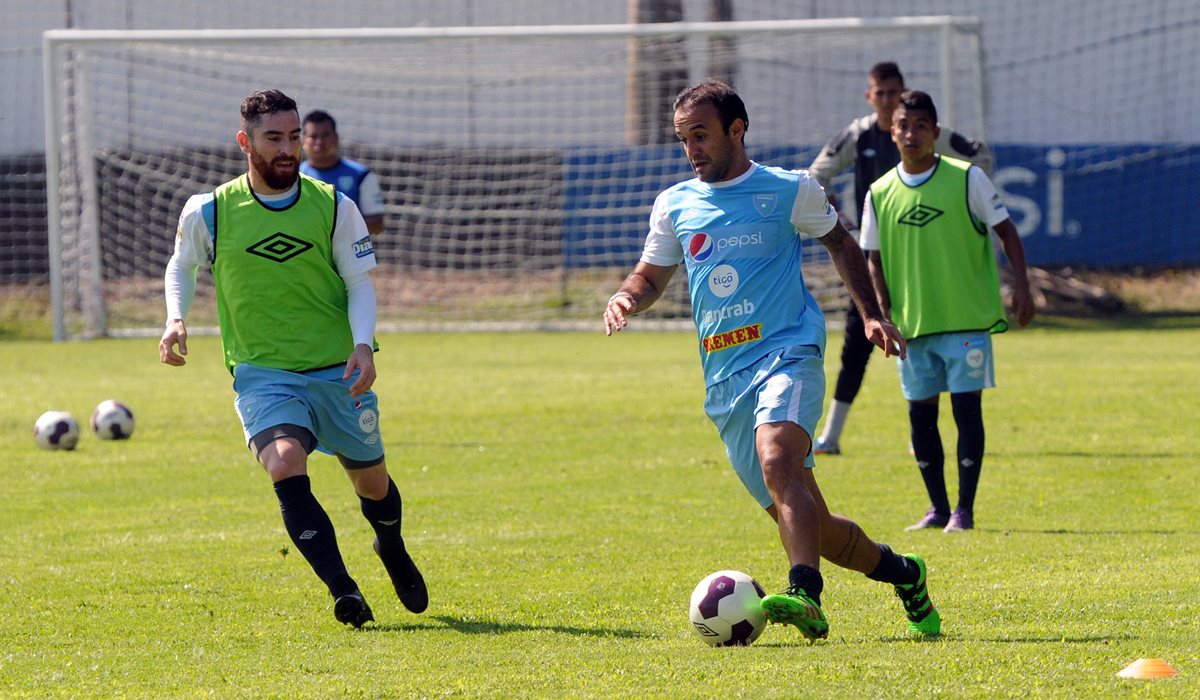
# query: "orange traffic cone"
{"points": [[1148, 669]]}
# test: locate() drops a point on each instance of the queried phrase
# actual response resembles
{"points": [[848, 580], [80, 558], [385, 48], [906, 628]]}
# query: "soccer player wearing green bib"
{"points": [[925, 227], [290, 259]]}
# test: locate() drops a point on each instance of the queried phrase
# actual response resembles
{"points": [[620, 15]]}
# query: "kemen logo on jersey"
{"points": [[764, 204], [920, 215], [279, 247], [733, 338], [701, 246]]}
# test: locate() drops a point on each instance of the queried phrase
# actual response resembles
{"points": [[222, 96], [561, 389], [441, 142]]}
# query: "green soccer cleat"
{"points": [[794, 607], [923, 617]]}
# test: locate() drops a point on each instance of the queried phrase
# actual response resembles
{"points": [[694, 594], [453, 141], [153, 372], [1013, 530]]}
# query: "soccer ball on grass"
{"points": [[112, 420], [725, 609], [56, 430]]}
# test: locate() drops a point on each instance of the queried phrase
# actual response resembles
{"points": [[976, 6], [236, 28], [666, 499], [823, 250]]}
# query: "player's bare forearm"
{"points": [[852, 267], [882, 295], [637, 293], [1014, 250]]}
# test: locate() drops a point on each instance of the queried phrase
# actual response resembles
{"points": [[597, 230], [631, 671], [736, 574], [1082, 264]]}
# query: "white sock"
{"points": [[835, 420]]}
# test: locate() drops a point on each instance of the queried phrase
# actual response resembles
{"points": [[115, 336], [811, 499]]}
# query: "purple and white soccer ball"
{"points": [[112, 420], [725, 609], [56, 430]]}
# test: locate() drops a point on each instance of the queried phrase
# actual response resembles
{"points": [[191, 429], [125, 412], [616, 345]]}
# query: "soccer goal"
{"points": [[518, 164]]}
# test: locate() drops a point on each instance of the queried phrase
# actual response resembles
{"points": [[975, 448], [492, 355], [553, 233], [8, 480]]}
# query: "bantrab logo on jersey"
{"points": [[920, 215], [279, 247], [701, 246]]}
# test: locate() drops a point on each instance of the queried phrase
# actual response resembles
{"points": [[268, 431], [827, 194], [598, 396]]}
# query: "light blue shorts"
{"points": [[786, 385], [955, 362], [318, 402]]}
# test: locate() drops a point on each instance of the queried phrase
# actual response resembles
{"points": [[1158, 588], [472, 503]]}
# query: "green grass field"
{"points": [[563, 494]]}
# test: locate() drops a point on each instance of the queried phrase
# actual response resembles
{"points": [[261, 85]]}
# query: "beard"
{"points": [[274, 179]]}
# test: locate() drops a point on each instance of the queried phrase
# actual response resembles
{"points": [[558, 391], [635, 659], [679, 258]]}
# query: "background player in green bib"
{"points": [[866, 147], [739, 227], [925, 225], [291, 261]]}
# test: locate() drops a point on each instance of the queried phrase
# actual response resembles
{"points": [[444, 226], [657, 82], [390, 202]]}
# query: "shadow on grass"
{"points": [[955, 638], [1145, 321], [1098, 454], [1087, 533], [496, 628]]}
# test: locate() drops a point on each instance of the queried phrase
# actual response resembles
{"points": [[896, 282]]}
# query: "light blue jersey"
{"points": [[741, 241], [347, 176]]}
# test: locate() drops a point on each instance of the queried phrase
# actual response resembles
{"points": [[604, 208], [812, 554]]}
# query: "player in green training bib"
{"points": [[291, 261], [925, 225]]}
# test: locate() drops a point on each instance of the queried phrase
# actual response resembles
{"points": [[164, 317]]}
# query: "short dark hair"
{"points": [[320, 116], [721, 96], [917, 100], [261, 103], [886, 70]]}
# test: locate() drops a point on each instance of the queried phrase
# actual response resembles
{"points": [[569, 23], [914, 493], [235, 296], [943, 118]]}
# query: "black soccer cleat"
{"points": [[352, 609], [406, 578]]}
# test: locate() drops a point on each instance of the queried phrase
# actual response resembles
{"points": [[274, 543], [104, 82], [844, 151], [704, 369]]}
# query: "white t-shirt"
{"points": [[982, 199]]}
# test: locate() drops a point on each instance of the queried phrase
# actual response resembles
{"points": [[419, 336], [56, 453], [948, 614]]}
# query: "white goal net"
{"points": [[518, 164]]}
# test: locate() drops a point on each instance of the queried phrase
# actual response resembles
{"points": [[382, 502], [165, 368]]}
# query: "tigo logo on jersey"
{"points": [[700, 246], [729, 339], [723, 280]]}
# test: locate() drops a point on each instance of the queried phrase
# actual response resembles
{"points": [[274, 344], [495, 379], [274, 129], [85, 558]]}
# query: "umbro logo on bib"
{"points": [[920, 215], [279, 247]]}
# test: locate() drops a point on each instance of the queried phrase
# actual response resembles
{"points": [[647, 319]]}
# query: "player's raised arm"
{"points": [[637, 293]]}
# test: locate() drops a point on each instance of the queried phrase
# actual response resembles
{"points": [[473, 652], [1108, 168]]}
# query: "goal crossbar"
{"points": [[60, 46]]}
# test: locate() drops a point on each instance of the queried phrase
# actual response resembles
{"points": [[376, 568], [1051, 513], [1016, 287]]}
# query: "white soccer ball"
{"points": [[112, 420], [725, 609], [56, 430]]}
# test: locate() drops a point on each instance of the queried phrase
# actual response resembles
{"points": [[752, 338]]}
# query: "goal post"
{"points": [[514, 195]]}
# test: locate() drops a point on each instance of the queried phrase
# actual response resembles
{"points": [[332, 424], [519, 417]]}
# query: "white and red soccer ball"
{"points": [[725, 609], [112, 420], [56, 430]]}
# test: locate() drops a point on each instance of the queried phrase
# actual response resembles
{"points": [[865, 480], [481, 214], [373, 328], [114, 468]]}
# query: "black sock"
{"points": [[927, 446], [384, 516], [968, 415], [895, 569], [312, 532], [808, 578]]}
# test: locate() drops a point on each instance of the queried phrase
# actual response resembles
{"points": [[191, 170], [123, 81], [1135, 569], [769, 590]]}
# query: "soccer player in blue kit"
{"points": [[738, 227]]}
